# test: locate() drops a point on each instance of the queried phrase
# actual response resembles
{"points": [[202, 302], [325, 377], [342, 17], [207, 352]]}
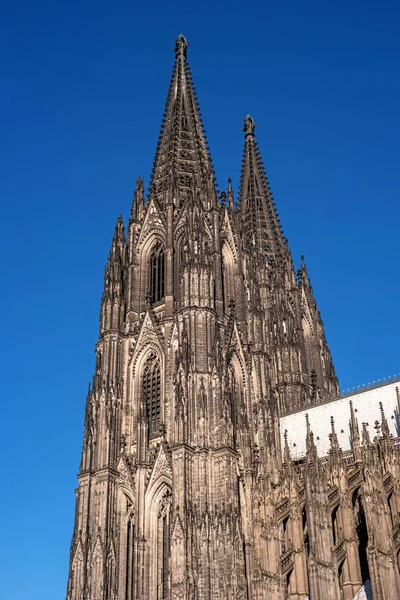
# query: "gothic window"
{"points": [[228, 275], [234, 396], [362, 533], [392, 508], [306, 537], [151, 387], [157, 263], [285, 536], [336, 525], [181, 259]]}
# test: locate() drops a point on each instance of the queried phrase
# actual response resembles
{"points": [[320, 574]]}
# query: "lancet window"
{"points": [[151, 388], [392, 509], [228, 276], [336, 525], [362, 533], [157, 276], [285, 536]]}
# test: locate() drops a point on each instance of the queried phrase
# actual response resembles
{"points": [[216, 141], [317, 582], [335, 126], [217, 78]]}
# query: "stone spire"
{"points": [[182, 158], [261, 226]]}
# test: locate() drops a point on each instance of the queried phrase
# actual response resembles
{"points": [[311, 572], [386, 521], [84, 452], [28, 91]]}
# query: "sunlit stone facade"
{"points": [[189, 488]]}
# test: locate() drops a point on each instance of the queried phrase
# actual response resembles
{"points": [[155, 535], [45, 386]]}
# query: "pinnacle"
{"points": [[286, 452], [119, 225], [137, 208], [119, 231]]}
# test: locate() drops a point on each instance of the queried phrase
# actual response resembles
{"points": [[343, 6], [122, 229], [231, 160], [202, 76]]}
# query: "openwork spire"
{"points": [[182, 159], [262, 231]]}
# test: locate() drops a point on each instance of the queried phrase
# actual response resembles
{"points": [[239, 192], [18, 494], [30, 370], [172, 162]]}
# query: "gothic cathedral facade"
{"points": [[207, 336]]}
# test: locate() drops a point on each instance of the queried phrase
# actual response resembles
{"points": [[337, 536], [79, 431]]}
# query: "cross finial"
{"points": [[249, 125], [181, 45]]}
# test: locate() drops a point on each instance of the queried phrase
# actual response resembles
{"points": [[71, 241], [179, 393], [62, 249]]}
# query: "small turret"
{"points": [[112, 302], [137, 210]]}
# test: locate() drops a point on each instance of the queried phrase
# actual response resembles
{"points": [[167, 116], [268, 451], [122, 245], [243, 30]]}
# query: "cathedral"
{"points": [[219, 460]]}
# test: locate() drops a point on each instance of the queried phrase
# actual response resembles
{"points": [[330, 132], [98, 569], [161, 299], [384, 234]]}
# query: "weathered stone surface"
{"points": [[207, 336]]}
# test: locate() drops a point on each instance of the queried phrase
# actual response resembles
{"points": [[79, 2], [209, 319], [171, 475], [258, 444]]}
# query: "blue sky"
{"points": [[82, 94]]}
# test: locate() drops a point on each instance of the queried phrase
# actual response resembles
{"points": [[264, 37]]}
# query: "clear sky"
{"points": [[83, 88]]}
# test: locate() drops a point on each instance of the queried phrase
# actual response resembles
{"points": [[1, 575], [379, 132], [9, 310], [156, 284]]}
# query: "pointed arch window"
{"points": [[157, 268], [151, 386]]}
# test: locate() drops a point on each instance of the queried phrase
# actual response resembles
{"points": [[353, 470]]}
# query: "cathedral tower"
{"points": [[207, 335]]}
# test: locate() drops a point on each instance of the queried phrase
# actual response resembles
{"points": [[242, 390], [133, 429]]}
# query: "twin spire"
{"points": [[183, 163]]}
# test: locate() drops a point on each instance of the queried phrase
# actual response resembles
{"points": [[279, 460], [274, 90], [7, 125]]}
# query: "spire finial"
{"points": [[249, 126], [181, 45]]}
